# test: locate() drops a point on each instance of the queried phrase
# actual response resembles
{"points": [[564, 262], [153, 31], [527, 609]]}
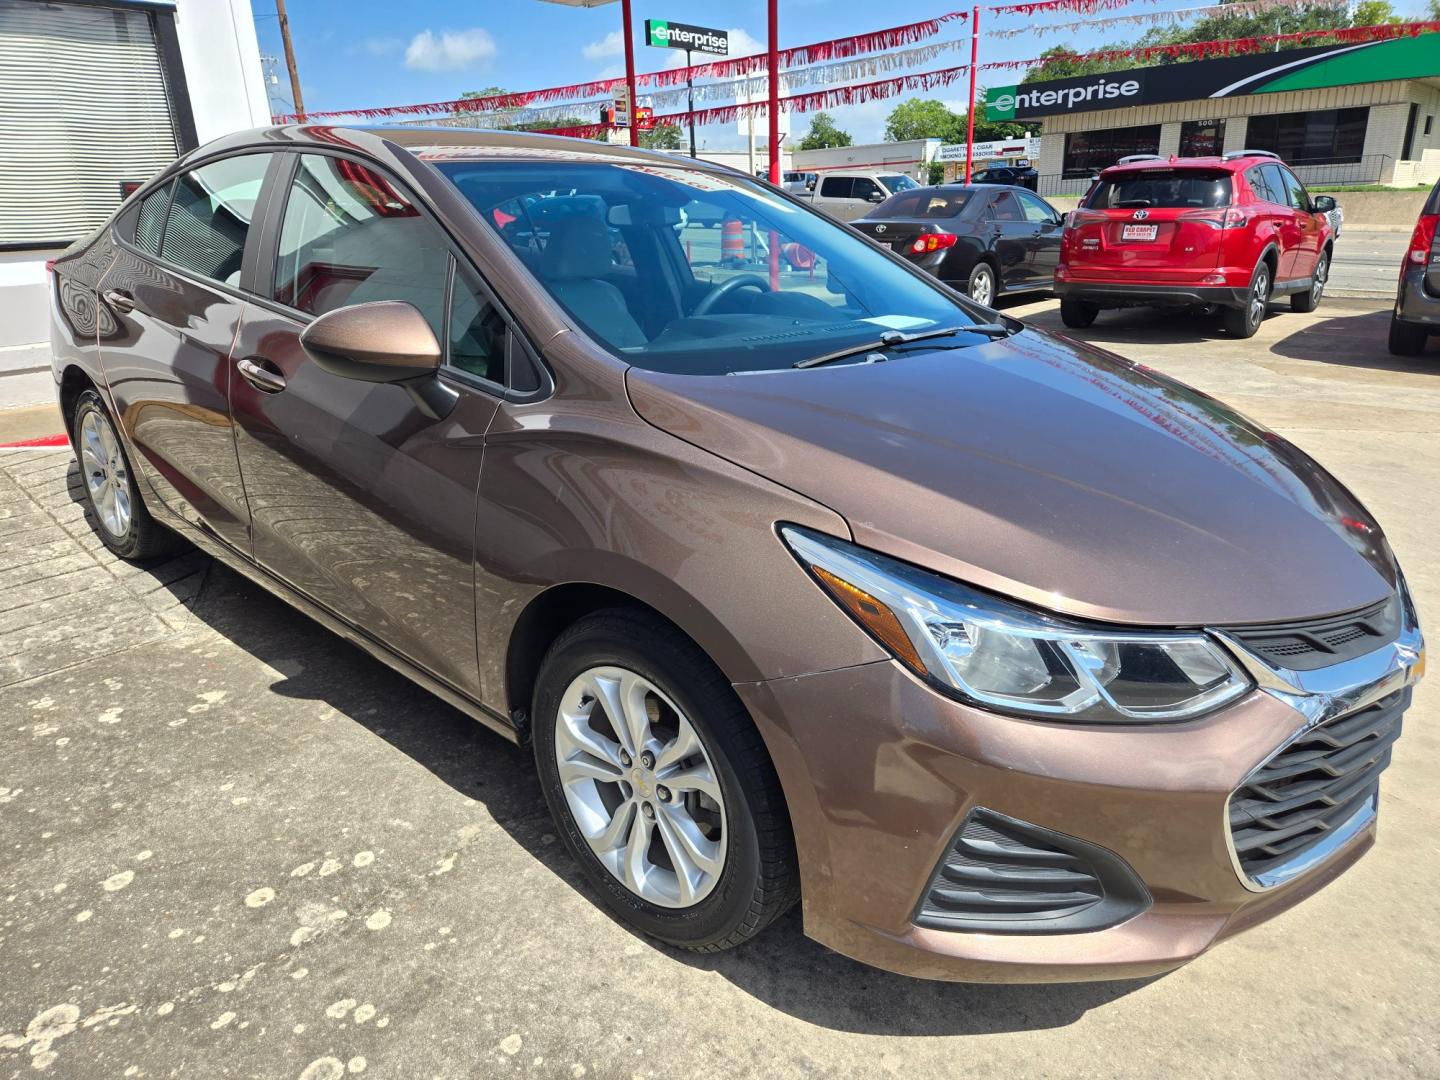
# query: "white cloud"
{"points": [[612, 44], [450, 50], [380, 46]]}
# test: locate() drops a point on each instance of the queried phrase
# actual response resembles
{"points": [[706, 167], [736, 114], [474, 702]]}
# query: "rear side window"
{"points": [[931, 203], [1174, 188], [1260, 185], [150, 223], [349, 236], [210, 216], [836, 187]]}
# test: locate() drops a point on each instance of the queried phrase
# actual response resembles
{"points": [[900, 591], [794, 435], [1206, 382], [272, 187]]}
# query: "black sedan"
{"points": [[983, 239], [1021, 176]]}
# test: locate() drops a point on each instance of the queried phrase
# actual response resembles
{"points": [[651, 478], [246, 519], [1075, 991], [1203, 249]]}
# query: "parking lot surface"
{"points": [[234, 846]]}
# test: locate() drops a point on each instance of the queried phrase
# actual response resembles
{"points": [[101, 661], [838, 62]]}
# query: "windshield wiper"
{"points": [[894, 338]]}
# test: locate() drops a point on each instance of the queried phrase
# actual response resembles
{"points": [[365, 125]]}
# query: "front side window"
{"points": [[210, 216], [1035, 210], [477, 332], [1295, 196], [865, 188], [689, 271], [350, 236], [898, 182]]}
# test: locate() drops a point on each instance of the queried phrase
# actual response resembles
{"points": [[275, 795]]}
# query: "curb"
{"points": [[43, 440]]}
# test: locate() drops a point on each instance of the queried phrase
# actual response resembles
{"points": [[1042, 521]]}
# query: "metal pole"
{"points": [[290, 59], [774, 110], [630, 69], [970, 119], [690, 100]]}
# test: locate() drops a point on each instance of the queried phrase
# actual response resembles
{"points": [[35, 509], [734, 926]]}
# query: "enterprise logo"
{"points": [[1007, 101]]}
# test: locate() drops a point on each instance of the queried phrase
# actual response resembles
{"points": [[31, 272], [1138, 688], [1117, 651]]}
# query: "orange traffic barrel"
{"points": [[732, 240]]}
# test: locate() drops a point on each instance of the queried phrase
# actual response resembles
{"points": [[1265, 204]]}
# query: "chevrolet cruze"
{"points": [[805, 577]]}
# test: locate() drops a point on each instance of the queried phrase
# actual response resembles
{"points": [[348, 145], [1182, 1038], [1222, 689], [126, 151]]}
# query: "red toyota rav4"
{"points": [[1232, 233]]}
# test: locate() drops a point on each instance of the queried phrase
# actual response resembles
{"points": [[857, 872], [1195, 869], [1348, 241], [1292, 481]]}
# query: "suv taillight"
{"points": [[932, 242], [1421, 239], [1229, 218], [1077, 218]]}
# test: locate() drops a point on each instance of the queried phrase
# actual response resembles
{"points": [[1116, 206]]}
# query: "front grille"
{"points": [[1317, 643], [1312, 787], [1001, 875]]}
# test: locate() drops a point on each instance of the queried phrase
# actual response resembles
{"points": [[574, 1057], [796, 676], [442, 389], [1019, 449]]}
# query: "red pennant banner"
{"points": [[894, 37], [1079, 7]]}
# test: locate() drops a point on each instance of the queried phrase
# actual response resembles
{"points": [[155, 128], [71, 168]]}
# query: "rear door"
{"points": [[174, 293], [359, 499], [1161, 224], [1014, 240], [833, 196]]}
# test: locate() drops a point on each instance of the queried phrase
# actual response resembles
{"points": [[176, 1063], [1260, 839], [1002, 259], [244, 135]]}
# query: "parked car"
{"points": [[801, 181], [1417, 299], [1233, 233], [1016, 660], [984, 240], [1019, 175], [846, 196]]}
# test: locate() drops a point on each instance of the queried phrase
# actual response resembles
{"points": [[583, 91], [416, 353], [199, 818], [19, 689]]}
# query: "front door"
{"points": [[359, 499], [1045, 238], [1307, 227], [1290, 226], [174, 294]]}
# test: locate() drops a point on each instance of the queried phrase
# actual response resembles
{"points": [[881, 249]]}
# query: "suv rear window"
{"points": [[922, 203], [1179, 188]]}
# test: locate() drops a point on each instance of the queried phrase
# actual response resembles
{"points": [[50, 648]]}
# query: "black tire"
{"points": [[760, 879], [1077, 314], [982, 280], [1407, 339], [1309, 300], [142, 537], [1243, 322]]}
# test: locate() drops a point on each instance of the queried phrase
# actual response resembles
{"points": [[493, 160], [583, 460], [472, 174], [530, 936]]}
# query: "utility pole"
{"points": [[690, 99], [290, 58]]}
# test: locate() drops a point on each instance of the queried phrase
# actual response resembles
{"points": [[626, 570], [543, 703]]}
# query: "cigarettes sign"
{"points": [[664, 34]]}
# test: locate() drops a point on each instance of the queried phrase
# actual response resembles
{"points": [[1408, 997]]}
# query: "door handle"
{"points": [[261, 374], [119, 299]]}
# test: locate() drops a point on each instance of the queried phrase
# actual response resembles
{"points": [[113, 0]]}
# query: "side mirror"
{"points": [[386, 341], [875, 197], [1323, 204]]}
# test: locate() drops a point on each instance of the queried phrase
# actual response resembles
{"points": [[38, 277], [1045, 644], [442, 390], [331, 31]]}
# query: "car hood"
{"points": [[1049, 471]]}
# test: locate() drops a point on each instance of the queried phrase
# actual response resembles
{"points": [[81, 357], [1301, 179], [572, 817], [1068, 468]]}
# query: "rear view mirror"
{"points": [[386, 341]]}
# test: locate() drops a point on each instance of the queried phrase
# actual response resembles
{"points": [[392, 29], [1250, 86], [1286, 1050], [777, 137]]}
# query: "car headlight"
{"points": [[1016, 659]]}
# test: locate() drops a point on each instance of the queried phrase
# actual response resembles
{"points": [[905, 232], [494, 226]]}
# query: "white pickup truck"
{"points": [[850, 195]]}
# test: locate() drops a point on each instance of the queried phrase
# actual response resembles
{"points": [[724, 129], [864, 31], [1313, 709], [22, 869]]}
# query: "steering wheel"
{"points": [[735, 284]]}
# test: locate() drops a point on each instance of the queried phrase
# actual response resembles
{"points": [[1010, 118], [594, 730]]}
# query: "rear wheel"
{"points": [[1242, 322], [981, 285], [1077, 314], [116, 509], [1309, 300], [660, 785], [1407, 339]]}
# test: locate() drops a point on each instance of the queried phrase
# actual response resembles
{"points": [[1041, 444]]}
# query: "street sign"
{"points": [[663, 34]]}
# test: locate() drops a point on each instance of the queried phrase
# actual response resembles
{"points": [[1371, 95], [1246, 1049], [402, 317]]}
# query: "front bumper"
{"points": [[880, 772], [1109, 294]]}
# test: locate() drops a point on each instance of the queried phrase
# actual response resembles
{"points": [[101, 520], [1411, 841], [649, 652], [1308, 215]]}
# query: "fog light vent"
{"points": [[1001, 875]]}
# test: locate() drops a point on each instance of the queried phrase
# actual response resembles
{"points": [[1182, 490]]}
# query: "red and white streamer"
{"points": [[894, 37], [1078, 7], [1240, 8]]}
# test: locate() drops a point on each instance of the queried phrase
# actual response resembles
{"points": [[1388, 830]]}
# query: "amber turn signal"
{"points": [[873, 616]]}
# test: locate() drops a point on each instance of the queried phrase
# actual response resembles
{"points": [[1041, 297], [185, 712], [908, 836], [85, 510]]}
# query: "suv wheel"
{"points": [[119, 514], [1407, 339], [1309, 300], [1077, 314], [981, 286], [1242, 322], [660, 785]]}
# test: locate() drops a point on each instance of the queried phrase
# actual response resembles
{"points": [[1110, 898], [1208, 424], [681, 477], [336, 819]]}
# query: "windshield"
{"points": [[694, 272], [898, 183], [932, 203], [1162, 187]]}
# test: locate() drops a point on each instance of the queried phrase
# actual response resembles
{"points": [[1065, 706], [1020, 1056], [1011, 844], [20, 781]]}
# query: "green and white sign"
{"points": [[663, 34]]}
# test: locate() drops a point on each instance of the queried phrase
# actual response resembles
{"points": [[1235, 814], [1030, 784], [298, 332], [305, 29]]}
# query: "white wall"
{"points": [[222, 66]]}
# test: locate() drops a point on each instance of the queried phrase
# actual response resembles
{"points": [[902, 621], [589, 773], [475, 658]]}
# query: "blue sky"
{"points": [[358, 53]]}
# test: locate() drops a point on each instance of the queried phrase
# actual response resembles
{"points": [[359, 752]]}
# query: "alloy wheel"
{"points": [[1322, 271], [982, 288], [106, 477], [641, 787]]}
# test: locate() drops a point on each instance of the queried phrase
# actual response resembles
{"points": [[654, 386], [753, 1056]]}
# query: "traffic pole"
{"points": [[974, 63], [630, 70]]}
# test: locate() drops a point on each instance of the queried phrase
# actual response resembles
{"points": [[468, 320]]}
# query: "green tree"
{"points": [[503, 119], [663, 137], [824, 134], [1061, 63], [923, 118]]}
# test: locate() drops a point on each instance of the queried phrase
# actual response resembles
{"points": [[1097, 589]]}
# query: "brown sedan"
{"points": [[805, 577]]}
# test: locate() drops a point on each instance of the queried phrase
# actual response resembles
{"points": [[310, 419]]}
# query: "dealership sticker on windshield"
{"points": [[1139, 232]]}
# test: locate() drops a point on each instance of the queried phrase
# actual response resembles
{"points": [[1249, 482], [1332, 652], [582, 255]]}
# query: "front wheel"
{"points": [[1407, 339], [981, 285], [1243, 322], [660, 785], [1309, 300]]}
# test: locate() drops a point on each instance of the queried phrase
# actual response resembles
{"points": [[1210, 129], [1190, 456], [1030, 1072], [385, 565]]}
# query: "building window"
{"points": [[1202, 138], [1087, 152], [86, 108], [1325, 137], [1428, 121]]}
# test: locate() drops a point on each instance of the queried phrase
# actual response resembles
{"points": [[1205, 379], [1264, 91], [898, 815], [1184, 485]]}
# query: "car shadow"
{"points": [[1141, 326], [784, 969], [1356, 340]]}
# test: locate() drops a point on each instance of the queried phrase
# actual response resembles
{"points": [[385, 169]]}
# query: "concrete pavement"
{"points": [[234, 846]]}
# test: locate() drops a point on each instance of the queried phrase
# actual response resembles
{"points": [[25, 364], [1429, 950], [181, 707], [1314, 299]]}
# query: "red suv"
{"points": [[1232, 232]]}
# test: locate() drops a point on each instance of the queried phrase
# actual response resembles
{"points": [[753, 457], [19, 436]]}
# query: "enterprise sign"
{"points": [[663, 34]]}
